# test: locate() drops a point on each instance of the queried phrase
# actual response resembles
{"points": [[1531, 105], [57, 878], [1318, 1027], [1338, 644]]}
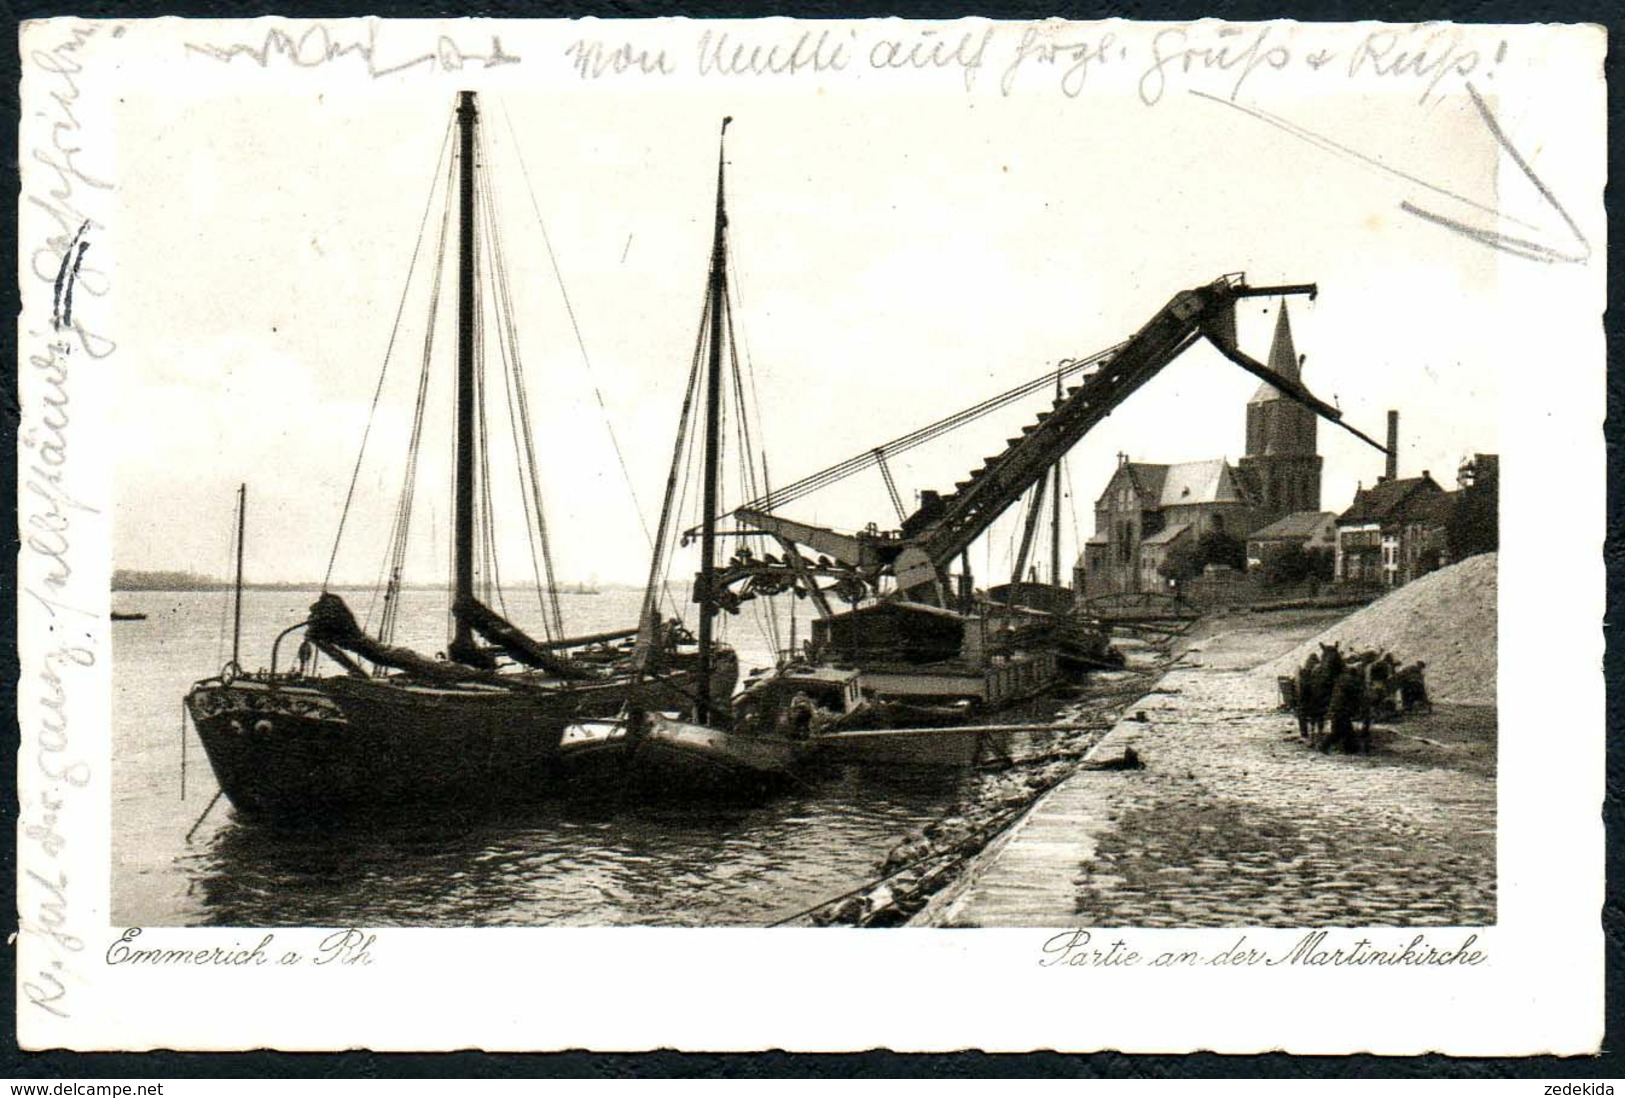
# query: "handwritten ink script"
{"points": [[1435, 60], [1316, 949], [340, 947], [319, 45], [1215, 61], [61, 342]]}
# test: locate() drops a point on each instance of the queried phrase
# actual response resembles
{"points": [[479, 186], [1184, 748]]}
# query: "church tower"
{"points": [[1281, 465]]}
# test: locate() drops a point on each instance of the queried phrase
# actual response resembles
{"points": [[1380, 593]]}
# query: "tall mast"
{"points": [[462, 645], [1055, 502], [713, 422], [237, 612]]}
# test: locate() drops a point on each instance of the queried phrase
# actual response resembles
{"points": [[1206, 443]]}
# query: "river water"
{"points": [[616, 863]]}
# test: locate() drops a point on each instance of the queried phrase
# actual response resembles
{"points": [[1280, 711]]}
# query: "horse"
{"points": [[1362, 692], [1412, 689], [1304, 686], [1320, 673], [1380, 680], [1350, 703]]}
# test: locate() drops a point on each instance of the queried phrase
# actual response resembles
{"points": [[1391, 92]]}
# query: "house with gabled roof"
{"points": [[1394, 531], [1154, 552], [1310, 530]]}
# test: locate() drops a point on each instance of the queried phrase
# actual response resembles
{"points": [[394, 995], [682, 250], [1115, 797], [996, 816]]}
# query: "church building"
{"points": [[1148, 509]]}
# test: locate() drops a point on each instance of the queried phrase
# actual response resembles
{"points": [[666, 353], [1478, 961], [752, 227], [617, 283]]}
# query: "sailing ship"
{"points": [[704, 750], [500, 715]]}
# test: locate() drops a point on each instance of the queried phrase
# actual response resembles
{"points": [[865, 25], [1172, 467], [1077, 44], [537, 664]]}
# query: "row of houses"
{"points": [[1393, 532]]}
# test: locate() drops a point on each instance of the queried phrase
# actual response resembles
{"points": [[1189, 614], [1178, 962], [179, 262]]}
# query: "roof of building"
{"points": [[1283, 358], [1167, 535], [1147, 478], [1294, 527], [1435, 507], [1214, 481], [1393, 500], [1200, 482]]}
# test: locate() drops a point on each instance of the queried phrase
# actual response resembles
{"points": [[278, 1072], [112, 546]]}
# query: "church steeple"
{"points": [[1281, 462], [1283, 357], [1276, 425]]}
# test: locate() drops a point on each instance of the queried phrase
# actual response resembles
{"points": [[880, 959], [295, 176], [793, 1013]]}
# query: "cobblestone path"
{"points": [[1235, 823]]}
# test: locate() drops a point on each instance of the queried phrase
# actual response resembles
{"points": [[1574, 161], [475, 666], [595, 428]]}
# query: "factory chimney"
{"points": [[1392, 470]]}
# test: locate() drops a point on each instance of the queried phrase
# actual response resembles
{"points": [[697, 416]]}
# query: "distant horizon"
{"points": [[182, 579]]}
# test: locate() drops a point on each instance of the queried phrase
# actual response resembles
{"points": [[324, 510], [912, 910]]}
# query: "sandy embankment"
{"points": [[1447, 619]]}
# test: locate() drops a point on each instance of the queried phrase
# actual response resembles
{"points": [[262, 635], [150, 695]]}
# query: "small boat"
{"points": [[501, 716], [577, 589], [824, 711], [673, 756]]}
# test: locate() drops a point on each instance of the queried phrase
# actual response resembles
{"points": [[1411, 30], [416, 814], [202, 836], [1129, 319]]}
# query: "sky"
{"points": [[899, 257]]}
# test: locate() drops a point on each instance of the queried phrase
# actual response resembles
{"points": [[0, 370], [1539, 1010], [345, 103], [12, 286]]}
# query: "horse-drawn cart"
{"points": [[1349, 692]]}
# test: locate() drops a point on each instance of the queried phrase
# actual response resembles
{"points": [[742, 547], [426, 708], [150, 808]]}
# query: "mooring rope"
{"points": [[218, 793]]}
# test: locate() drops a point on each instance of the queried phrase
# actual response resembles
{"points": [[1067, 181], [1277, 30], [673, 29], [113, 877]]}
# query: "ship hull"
{"points": [[924, 748], [314, 751], [673, 757]]}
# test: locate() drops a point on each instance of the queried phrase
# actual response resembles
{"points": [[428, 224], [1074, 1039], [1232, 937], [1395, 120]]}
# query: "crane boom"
{"points": [[944, 526]]}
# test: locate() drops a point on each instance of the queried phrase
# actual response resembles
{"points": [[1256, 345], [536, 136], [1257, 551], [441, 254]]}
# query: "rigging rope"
{"points": [[225, 602], [515, 419], [765, 620], [508, 340], [395, 561], [1072, 506], [658, 564], [569, 310], [394, 330], [841, 470], [490, 575], [767, 610], [738, 291]]}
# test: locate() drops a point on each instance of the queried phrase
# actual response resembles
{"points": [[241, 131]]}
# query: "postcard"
{"points": [[812, 535]]}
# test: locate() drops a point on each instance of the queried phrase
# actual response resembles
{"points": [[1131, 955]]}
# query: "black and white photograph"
{"points": [[1033, 488]]}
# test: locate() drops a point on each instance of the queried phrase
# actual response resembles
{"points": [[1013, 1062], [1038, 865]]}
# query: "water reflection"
{"points": [[597, 862]]}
